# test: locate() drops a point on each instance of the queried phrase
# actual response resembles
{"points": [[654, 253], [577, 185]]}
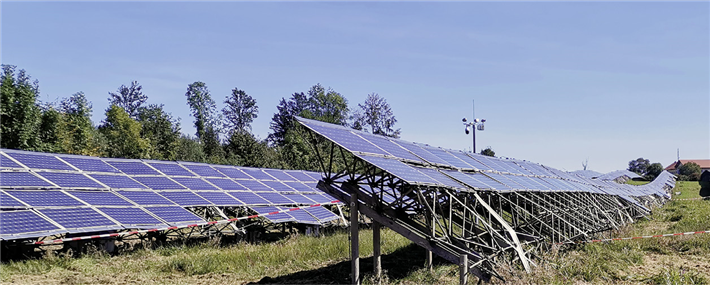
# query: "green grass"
{"points": [[688, 189], [633, 182]]}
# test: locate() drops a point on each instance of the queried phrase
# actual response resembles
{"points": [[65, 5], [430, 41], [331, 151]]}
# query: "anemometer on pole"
{"points": [[473, 125]]}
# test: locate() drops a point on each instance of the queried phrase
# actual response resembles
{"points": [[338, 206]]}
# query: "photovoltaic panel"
{"points": [[172, 169], [278, 186], [322, 214], [315, 176], [470, 161], [299, 199], [443, 180], [145, 198], [89, 164], [73, 180], [319, 198], [312, 187], [174, 215], [301, 216], [347, 139], [399, 169], [279, 174], [226, 184], [133, 167], [274, 218], [131, 216], [219, 198], [300, 176], [22, 179], [299, 187], [257, 174], [8, 202], [275, 198], [491, 163], [249, 198], [185, 198], [498, 180], [202, 170], [79, 218], [255, 185], [420, 152], [390, 147], [449, 158], [39, 161], [491, 182], [44, 198], [232, 172], [469, 180], [194, 183], [118, 181], [8, 163], [158, 183], [23, 222], [100, 198]]}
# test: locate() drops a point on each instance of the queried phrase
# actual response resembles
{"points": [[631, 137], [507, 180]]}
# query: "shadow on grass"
{"points": [[395, 265]]}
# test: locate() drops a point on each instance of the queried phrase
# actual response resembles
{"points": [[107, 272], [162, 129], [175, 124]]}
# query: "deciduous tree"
{"points": [[123, 135], [639, 165], [20, 115], [375, 116], [130, 98], [239, 112]]}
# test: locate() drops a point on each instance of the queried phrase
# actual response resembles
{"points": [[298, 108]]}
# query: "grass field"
{"points": [[325, 259]]}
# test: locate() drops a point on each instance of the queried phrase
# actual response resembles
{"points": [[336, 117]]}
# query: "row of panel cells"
{"points": [[41, 199], [47, 161], [76, 180], [313, 215]]}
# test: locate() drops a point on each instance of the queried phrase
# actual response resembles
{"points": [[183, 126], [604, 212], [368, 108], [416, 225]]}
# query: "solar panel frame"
{"points": [[100, 198], [204, 170], [322, 214], [9, 202], [390, 147], [174, 215], [300, 176], [6, 162], [71, 180], [158, 182], [21, 179], [132, 167], [88, 164], [257, 174], [276, 198], [299, 199], [39, 161], [347, 140], [248, 198], [185, 198], [279, 175], [171, 169], [421, 152], [220, 199], [118, 181], [274, 218], [255, 186], [132, 217], [232, 172], [226, 184], [79, 220], [278, 186], [400, 170], [47, 198], [24, 224], [146, 198], [194, 183], [302, 217]]}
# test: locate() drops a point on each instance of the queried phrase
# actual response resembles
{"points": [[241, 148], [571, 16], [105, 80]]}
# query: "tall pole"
{"points": [[473, 131], [473, 120], [354, 239]]}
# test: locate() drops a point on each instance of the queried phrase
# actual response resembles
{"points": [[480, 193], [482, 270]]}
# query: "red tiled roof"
{"points": [[704, 163]]}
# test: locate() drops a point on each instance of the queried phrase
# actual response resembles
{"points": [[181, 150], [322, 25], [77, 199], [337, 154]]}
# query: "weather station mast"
{"points": [[475, 124]]}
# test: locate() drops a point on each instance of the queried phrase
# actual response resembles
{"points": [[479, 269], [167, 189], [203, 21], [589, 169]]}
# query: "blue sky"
{"points": [[557, 82]]}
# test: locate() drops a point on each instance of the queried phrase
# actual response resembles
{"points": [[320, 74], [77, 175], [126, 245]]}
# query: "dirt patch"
{"points": [[654, 264]]}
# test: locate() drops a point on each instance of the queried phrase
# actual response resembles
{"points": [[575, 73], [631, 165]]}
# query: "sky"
{"points": [[559, 83]]}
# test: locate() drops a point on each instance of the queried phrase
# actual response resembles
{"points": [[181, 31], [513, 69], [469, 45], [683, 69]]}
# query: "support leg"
{"points": [[354, 240], [463, 269], [377, 262]]}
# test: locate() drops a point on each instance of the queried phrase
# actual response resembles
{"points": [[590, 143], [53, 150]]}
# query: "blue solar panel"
{"points": [[8, 202], [299, 187], [226, 184], [470, 161], [469, 180], [249, 198], [390, 147], [133, 167], [158, 183], [319, 198], [220, 199], [420, 152], [399, 169], [118, 181], [498, 181], [302, 216], [443, 179], [299, 199], [346, 139], [171, 169], [74, 180], [276, 218], [8, 163], [44, 198], [131, 216], [254, 185], [89, 164], [145, 198], [449, 158], [19, 222], [100, 198], [185, 198], [275, 198], [278, 186], [194, 183], [174, 214], [22, 179], [279, 174], [203, 170], [315, 176], [313, 187], [233, 173], [78, 218], [300, 176], [322, 214], [257, 174], [39, 161]]}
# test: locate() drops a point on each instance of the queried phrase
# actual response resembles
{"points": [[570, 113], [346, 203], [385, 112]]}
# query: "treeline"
{"points": [[132, 128]]}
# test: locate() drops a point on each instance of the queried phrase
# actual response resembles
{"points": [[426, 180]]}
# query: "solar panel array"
{"points": [[424, 165], [43, 194]]}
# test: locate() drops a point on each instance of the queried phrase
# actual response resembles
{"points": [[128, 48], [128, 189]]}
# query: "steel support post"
{"points": [[376, 260], [463, 269], [354, 239]]}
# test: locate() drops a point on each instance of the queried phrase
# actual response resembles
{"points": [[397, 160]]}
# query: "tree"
{"points": [[640, 165], [20, 116], [50, 128], [203, 110], [653, 171], [129, 98], [244, 149], [78, 135], [488, 152], [239, 112], [283, 120], [161, 130], [690, 171], [123, 135], [375, 116], [189, 149]]}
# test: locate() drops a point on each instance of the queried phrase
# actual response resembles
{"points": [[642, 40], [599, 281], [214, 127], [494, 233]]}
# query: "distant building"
{"points": [[704, 165]]}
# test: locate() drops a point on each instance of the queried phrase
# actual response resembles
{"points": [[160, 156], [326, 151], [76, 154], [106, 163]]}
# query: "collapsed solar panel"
{"points": [[455, 203], [45, 194]]}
